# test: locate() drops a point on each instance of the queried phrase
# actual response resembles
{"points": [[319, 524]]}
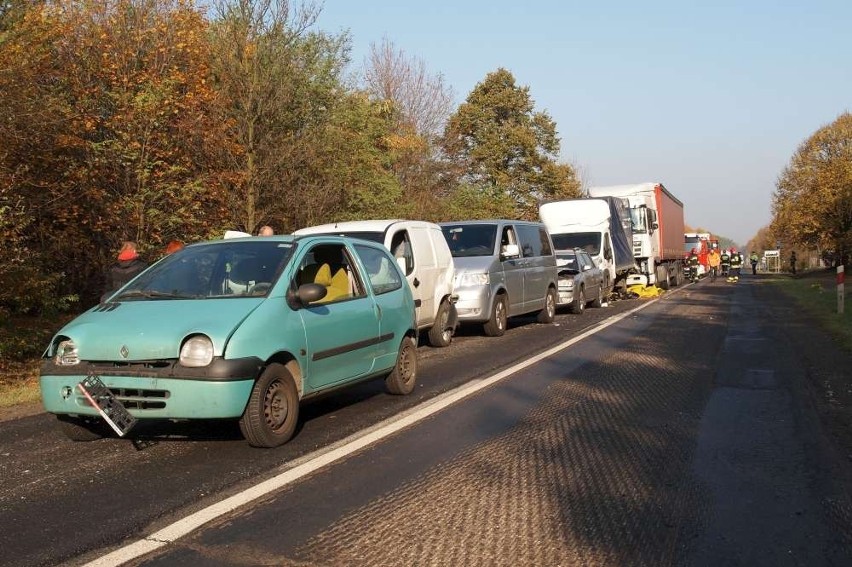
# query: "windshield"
{"points": [[216, 270], [471, 239], [637, 217], [588, 241], [690, 243]]}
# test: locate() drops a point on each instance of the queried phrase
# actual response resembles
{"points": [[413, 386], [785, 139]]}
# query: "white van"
{"points": [[425, 259]]}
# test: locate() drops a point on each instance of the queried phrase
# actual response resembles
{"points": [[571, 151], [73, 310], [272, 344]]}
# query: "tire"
{"points": [[598, 301], [548, 314], [403, 377], [496, 325], [83, 428], [579, 303], [272, 411], [441, 334]]}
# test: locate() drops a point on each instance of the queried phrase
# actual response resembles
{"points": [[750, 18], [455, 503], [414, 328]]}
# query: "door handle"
{"points": [[416, 282]]}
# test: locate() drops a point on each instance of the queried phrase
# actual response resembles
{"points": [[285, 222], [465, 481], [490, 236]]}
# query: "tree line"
{"points": [[155, 120]]}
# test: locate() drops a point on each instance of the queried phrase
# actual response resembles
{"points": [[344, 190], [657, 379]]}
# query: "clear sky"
{"points": [[709, 98]]}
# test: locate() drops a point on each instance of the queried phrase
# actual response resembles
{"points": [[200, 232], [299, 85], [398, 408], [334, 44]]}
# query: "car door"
{"points": [[406, 249], [535, 274], [340, 335], [513, 270]]}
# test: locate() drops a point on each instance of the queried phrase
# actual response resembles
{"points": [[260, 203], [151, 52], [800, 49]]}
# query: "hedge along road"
{"points": [[682, 435], [60, 499]]}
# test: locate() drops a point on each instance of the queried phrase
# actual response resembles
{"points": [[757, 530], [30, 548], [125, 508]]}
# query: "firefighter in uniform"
{"points": [[736, 264], [725, 262], [692, 265]]}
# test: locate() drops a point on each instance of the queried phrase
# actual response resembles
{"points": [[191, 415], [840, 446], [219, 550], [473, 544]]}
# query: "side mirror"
{"points": [[510, 251], [306, 294], [654, 226]]}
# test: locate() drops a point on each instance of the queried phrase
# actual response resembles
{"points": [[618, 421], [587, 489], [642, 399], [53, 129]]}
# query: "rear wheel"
{"points": [[548, 314], [441, 334], [496, 325], [402, 378], [272, 412], [83, 428], [579, 304]]}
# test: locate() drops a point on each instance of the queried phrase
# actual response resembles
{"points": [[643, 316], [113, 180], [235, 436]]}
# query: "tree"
{"points": [[279, 83], [418, 104], [812, 203], [502, 146]]}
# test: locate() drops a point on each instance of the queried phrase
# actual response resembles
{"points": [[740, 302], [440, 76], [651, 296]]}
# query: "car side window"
{"points": [[383, 276], [330, 265], [530, 238], [508, 237]]}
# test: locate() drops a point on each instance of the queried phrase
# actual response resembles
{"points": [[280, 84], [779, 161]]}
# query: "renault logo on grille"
{"points": [[123, 351]]}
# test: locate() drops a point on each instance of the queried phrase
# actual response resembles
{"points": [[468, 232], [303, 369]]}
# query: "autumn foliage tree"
{"points": [[506, 150], [812, 203]]}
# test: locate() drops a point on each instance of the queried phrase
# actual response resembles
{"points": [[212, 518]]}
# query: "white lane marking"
{"points": [[343, 449]]}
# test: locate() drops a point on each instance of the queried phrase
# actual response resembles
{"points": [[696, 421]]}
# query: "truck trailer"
{"points": [[657, 218], [602, 227]]}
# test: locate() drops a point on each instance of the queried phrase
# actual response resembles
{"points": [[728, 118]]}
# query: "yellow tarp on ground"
{"points": [[643, 291]]}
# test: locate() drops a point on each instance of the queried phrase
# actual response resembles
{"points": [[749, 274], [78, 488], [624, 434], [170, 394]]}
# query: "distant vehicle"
{"points": [[657, 218], [601, 226], [581, 282], [503, 268], [425, 259], [241, 329], [701, 242]]}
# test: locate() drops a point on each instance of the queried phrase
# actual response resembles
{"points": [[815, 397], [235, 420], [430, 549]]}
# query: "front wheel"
{"points": [[496, 325], [404, 374], [548, 314], [272, 411], [579, 304]]}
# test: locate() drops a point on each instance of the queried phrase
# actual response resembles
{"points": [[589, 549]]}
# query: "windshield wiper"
{"points": [[151, 294]]}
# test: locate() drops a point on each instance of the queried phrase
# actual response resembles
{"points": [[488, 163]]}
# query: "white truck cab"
{"points": [[424, 257]]}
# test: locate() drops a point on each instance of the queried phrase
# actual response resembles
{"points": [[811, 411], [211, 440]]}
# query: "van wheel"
{"points": [[548, 314], [598, 301], [441, 334], [404, 374], [273, 408], [496, 325], [83, 428], [579, 304]]}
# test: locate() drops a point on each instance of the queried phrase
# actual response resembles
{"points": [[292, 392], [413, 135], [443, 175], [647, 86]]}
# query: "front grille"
{"points": [[135, 398]]}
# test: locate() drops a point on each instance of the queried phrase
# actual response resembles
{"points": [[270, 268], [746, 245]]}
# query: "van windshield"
{"points": [[588, 241], [221, 269], [466, 240]]}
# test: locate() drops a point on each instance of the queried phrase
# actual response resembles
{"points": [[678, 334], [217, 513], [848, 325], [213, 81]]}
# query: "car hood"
{"points": [[473, 264], [146, 330]]}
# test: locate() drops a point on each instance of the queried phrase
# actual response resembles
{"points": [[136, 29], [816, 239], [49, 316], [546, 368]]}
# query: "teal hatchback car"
{"points": [[241, 329]]}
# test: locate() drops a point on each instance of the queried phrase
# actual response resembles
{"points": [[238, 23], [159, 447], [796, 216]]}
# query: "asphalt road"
{"points": [[678, 436]]}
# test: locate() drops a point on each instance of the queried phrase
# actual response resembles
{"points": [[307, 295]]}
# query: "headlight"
{"points": [[567, 283], [66, 354], [473, 279], [197, 352]]}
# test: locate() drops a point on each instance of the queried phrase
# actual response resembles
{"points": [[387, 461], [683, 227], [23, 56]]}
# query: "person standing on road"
{"points": [[753, 259], [736, 263], [793, 262], [725, 262], [715, 260]]}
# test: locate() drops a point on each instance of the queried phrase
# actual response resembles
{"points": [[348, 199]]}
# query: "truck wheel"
{"points": [[441, 334], [83, 428], [548, 314], [598, 301], [272, 411], [404, 374], [579, 304], [496, 325]]}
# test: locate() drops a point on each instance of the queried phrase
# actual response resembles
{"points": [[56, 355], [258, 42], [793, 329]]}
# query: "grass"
{"points": [[816, 293]]}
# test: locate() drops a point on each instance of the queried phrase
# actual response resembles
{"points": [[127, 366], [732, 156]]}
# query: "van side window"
{"points": [[380, 271], [401, 249], [544, 238], [508, 237], [530, 237]]}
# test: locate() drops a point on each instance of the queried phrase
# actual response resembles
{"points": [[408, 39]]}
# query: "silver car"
{"points": [[580, 281]]}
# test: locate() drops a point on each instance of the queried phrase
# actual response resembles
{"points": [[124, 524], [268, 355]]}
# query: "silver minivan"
{"points": [[503, 268]]}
